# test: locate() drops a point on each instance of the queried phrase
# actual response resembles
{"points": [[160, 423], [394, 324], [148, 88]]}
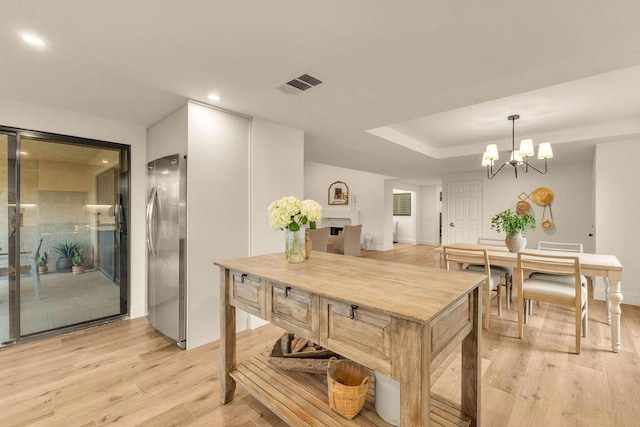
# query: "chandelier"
{"points": [[519, 158]]}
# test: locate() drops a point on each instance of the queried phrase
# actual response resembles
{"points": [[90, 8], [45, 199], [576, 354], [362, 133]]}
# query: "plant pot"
{"points": [[77, 269], [43, 269], [515, 243], [308, 244], [64, 264]]}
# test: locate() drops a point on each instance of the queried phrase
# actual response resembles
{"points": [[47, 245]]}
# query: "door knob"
{"points": [[451, 224]]}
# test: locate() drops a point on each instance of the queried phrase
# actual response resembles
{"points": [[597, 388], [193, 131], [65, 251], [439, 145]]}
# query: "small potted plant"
{"points": [[43, 259], [66, 251], [515, 226], [77, 260]]}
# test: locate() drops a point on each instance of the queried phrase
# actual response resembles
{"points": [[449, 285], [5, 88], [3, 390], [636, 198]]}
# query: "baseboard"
{"points": [[410, 241], [256, 322], [429, 242], [137, 311], [383, 248], [630, 298]]}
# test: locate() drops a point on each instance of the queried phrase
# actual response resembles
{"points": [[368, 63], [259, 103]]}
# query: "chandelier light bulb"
{"points": [[526, 147], [544, 151]]}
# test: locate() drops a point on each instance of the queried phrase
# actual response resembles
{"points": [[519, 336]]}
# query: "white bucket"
{"points": [[388, 399], [368, 241]]}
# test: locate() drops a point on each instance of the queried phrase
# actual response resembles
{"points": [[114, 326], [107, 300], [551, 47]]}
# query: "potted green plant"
{"points": [[515, 227], [66, 251], [77, 260], [43, 259]]}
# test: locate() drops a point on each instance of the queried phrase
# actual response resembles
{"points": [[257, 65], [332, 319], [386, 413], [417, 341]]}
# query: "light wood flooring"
{"points": [[126, 374]]}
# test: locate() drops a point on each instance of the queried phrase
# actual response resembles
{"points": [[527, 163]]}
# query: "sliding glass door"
{"points": [[8, 285], [68, 228]]}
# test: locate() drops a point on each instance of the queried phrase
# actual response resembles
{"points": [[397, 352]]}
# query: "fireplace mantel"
{"points": [[339, 217]]}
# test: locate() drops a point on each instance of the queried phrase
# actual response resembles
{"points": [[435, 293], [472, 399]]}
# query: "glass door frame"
{"points": [[14, 136]]}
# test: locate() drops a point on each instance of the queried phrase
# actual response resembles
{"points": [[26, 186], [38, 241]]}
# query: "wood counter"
{"points": [[400, 320]]}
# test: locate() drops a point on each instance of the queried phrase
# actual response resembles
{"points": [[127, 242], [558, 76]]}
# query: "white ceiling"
{"points": [[439, 76]]}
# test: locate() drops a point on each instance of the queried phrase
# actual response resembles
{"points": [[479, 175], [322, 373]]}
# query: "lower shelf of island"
{"points": [[300, 398]]}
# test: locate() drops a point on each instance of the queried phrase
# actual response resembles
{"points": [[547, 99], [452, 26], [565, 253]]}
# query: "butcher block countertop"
{"points": [[418, 294]]}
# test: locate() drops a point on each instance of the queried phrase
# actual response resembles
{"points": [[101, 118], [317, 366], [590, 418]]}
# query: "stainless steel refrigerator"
{"points": [[166, 246]]}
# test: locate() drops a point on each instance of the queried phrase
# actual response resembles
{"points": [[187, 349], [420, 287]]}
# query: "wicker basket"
{"points": [[348, 386]]}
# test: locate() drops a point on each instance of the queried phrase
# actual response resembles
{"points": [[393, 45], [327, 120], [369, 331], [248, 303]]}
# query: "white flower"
{"points": [[290, 213], [311, 209]]}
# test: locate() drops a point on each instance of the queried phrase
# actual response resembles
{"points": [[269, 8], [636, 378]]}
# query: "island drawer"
{"points": [[295, 310], [248, 293], [359, 333]]}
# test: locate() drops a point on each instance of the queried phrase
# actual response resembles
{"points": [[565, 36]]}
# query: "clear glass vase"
{"points": [[294, 248]]}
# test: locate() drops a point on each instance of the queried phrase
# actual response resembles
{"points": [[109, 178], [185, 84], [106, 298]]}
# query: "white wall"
{"points": [[40, 118], [218, 213], [572, 205], [616, 211], [169, 135], [277, 155], [368, 190], [429, 220], [277, 170]]}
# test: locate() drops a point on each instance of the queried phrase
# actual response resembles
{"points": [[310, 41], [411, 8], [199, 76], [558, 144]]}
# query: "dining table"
{"points": [[591, 265]]}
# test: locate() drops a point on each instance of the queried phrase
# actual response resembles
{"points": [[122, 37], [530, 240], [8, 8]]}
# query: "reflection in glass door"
{"points": [[68, 231]]}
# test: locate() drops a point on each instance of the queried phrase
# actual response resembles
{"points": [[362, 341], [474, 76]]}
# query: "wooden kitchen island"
{"points": [[400, 320]]}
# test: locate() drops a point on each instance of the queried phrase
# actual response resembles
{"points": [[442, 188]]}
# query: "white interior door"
{"points": [[464, 211]]}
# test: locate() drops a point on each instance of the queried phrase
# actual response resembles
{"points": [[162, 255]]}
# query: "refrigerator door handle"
{"points": [[151, 224]]}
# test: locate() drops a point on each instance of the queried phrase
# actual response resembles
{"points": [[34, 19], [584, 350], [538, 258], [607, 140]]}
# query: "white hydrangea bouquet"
{"points": [[291, 215]]}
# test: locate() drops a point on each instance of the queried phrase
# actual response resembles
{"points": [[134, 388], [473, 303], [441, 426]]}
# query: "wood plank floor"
{"points": [[126, 374]]}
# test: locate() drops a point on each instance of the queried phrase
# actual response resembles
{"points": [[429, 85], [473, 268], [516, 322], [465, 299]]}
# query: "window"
{"points": [[402, 204]]}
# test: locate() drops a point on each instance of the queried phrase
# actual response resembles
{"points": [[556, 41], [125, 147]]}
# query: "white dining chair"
{"points": [[553, 292], [558, 247], [477, 256], [507, 272]]}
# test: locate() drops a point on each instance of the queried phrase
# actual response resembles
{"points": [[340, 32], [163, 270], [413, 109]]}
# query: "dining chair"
{"points": [[552, 292], [319, 238], [477, 256], [507, 272], [347, 242], [562, 247]]}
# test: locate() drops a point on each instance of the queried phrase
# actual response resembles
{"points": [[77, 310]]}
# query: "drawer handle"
{"points": [[354, 312], [287, 289], [239, 277]]}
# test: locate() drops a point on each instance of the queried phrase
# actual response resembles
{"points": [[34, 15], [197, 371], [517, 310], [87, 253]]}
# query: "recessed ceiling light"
{"points": [[33, 40], [105, 161], [214, 97]]}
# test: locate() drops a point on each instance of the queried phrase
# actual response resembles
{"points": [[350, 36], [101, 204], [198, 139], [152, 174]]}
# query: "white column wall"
{"points": [[169, 135], [277, 170], [45, 119], [429, 220], [617, 206], [218, 213]]}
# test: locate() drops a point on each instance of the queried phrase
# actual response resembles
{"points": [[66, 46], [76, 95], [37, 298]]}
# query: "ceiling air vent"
{"points": [[300, 84]]}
